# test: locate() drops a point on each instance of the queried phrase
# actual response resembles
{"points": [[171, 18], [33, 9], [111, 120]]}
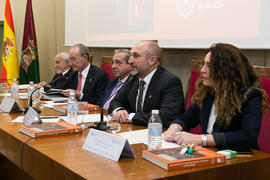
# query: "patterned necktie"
{"points": [[59, 75], [139, 102], [113, 93], [79, 85]]}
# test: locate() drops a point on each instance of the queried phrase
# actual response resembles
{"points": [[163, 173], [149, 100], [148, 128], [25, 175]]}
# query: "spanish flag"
{"points": [[10, 65]]}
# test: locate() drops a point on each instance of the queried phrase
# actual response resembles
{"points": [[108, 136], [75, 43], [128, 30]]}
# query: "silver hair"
{"points": [[126, 51], [65, 56], [83, 50]]}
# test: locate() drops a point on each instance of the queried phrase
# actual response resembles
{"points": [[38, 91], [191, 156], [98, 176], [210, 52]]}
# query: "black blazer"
{"points": [[108, 91], [164, 93], [62, 82], [243, 130], [110, 87], [95, 84]]}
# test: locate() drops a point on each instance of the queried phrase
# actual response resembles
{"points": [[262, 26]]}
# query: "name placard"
{"points": [[107, 145], [9, 105], [30, 116]]}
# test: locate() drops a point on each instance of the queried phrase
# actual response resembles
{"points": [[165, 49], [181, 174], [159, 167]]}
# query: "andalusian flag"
{"points": [[29, 68], [10, 65]]}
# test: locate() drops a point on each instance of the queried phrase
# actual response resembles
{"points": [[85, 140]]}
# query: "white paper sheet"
{"points": [[5, 94], [23, 86], [21, 95], [87, 118], [20, 119], [50, 104], [135, 137], [166, 144], [141, 136]]}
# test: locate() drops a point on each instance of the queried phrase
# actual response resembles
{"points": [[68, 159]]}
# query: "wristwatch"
{"points": [[204, 139]]}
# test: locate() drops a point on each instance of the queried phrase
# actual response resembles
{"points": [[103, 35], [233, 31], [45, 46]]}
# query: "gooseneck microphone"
{"points": [[102, 125], [46, 88]]}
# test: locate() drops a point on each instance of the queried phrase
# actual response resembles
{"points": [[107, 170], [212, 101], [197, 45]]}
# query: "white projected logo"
{"points": [[185, 7]]}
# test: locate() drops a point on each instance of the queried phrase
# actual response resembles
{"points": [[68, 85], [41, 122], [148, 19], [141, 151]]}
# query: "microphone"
{"points": [[46, 88], [101, 125]]}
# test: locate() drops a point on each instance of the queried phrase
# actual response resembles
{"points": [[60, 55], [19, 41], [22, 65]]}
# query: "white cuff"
{"points": [[130, 116], [80, 98], [119, 108]]}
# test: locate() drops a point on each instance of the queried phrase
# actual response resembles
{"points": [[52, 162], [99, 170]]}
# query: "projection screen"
{"points": [[174, 23]]}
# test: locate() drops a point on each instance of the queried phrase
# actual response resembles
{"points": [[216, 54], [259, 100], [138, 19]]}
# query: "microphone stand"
{"points": [[31, 99], [46, 88], [102, 125]]}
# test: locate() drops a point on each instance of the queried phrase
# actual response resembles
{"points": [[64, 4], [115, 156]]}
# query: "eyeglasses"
{"points": [[72, 59]]}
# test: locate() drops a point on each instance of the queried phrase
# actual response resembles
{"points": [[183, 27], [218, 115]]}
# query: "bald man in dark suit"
{"points": [[153, 87]]}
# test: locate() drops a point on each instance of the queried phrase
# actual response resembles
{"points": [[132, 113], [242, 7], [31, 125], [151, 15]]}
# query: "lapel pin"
{"points": [[150, 96], [90, 80]]}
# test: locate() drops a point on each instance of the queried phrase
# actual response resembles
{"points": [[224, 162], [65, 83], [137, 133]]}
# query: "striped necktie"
{"points": [[139, 102]]}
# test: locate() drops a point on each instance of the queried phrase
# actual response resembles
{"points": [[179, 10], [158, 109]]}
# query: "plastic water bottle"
{"points": [[154, 131], [72, 109], [15, 90], [30, 89]]}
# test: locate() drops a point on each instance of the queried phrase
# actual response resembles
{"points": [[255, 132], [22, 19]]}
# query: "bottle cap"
{"points": [[155, 111]]}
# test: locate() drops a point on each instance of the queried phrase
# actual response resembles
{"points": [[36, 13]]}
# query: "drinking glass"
{"points": [[37, 96], [113, 124], [4, 88], [82, 111]]}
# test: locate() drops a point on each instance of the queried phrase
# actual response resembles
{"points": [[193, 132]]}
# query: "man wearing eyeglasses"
{"points": [[87, 81], [121, 70]]}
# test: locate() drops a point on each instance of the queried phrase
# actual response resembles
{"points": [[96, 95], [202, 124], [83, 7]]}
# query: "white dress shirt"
{"points": [[147, 80], [212, 119]]}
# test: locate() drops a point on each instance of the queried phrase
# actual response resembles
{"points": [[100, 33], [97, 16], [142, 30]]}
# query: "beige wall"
{"points": [[50, 30]]}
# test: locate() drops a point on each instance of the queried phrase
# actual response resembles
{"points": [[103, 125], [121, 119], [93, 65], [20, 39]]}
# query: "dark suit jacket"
{"points": [[109, 89], [243, 130], [62, 82], [164, 93], [94, 87]]}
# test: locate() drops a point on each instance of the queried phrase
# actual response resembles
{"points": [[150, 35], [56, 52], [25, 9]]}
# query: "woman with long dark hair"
{"points": [[228, 103]]}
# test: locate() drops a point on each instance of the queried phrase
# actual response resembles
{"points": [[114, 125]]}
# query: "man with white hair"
{"points": [[63, 71]]}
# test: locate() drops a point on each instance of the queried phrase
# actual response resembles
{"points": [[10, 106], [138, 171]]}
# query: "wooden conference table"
{"points": [[62, 157]]}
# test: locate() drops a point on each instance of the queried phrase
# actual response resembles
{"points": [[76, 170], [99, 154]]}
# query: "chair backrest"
{"points": [[195, 68], [106, 65], [264, 136]]}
